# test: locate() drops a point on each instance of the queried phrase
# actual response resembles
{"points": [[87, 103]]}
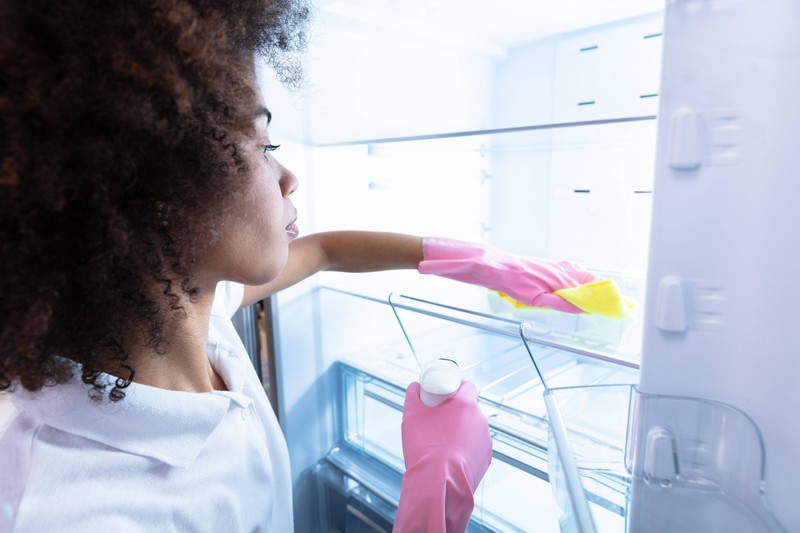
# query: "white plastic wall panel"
{"points": [[367, 84]]}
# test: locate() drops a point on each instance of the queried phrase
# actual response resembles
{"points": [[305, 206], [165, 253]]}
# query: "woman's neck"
{"points": [[185, 367]]}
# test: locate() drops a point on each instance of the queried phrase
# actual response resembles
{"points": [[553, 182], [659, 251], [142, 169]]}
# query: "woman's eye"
{"points": [[270, 148]]}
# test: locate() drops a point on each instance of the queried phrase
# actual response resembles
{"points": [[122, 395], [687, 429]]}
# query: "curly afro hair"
{"points": [[120, 124]]}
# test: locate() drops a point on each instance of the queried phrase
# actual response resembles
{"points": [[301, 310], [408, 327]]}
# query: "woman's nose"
{"points": [[288, 181]]}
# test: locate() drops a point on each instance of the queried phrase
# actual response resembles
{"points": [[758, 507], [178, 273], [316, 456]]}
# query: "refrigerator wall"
{"points": [[544, 146]]}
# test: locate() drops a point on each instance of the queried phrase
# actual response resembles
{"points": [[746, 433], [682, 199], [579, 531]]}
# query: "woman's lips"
{"points": [[293, 230]]}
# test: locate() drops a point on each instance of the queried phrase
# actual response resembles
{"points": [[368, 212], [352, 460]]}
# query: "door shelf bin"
{"points": [[702, 458]]}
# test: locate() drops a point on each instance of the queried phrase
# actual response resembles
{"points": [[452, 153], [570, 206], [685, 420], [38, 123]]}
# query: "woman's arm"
{"points": [[343, 251]]}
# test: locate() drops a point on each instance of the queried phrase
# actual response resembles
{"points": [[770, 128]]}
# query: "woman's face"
{"points": [[253, 239]]}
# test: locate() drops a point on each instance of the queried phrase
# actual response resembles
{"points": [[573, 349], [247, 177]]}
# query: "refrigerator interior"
{"points": [[538, 138]]}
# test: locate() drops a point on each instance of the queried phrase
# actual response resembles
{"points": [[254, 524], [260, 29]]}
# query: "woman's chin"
{"points": [[263, 275]]}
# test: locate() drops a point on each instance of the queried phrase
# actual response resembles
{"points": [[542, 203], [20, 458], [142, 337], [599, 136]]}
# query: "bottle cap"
{"points": [[439, 380]]}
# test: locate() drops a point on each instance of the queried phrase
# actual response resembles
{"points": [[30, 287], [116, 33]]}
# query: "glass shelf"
{"points": [[429, 320], [489, 131]]}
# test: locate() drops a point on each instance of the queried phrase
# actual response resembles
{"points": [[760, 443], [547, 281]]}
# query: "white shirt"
{"points": [[158, 461]]}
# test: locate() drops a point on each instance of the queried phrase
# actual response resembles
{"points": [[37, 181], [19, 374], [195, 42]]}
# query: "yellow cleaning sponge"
{"points": [[598, 298]]}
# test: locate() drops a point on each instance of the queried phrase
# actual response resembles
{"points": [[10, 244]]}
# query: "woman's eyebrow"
{"points": [[263, 111]]}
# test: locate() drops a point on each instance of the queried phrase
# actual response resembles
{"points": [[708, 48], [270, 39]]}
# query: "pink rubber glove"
{"points": [[529, 282], [447, 450]]}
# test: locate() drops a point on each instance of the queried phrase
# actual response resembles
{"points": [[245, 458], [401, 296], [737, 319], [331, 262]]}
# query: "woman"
{"points": [[140, 206]]}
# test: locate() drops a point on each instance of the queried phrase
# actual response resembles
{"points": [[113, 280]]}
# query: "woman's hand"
{"points": [[527, 281], [447, 450]]}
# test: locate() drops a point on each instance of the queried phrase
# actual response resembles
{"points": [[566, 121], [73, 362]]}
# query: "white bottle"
{"points": [[439, 380]]}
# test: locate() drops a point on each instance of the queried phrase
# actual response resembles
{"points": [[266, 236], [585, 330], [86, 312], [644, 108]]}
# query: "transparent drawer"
{"points": [[371, 416], [515, 494], [620, 336]]}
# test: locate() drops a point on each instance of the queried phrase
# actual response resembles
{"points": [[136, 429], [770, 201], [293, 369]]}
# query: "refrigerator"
{"points": [[648, 141]]}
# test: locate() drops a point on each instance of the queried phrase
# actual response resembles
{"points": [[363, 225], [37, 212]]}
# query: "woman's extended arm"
{"points": [[343, 251]]}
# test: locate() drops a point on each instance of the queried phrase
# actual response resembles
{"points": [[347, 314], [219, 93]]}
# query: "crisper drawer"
{"points": [[515, 494]]}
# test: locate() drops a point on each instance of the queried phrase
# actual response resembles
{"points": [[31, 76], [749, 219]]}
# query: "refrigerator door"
{"points": [[720, 311]]}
